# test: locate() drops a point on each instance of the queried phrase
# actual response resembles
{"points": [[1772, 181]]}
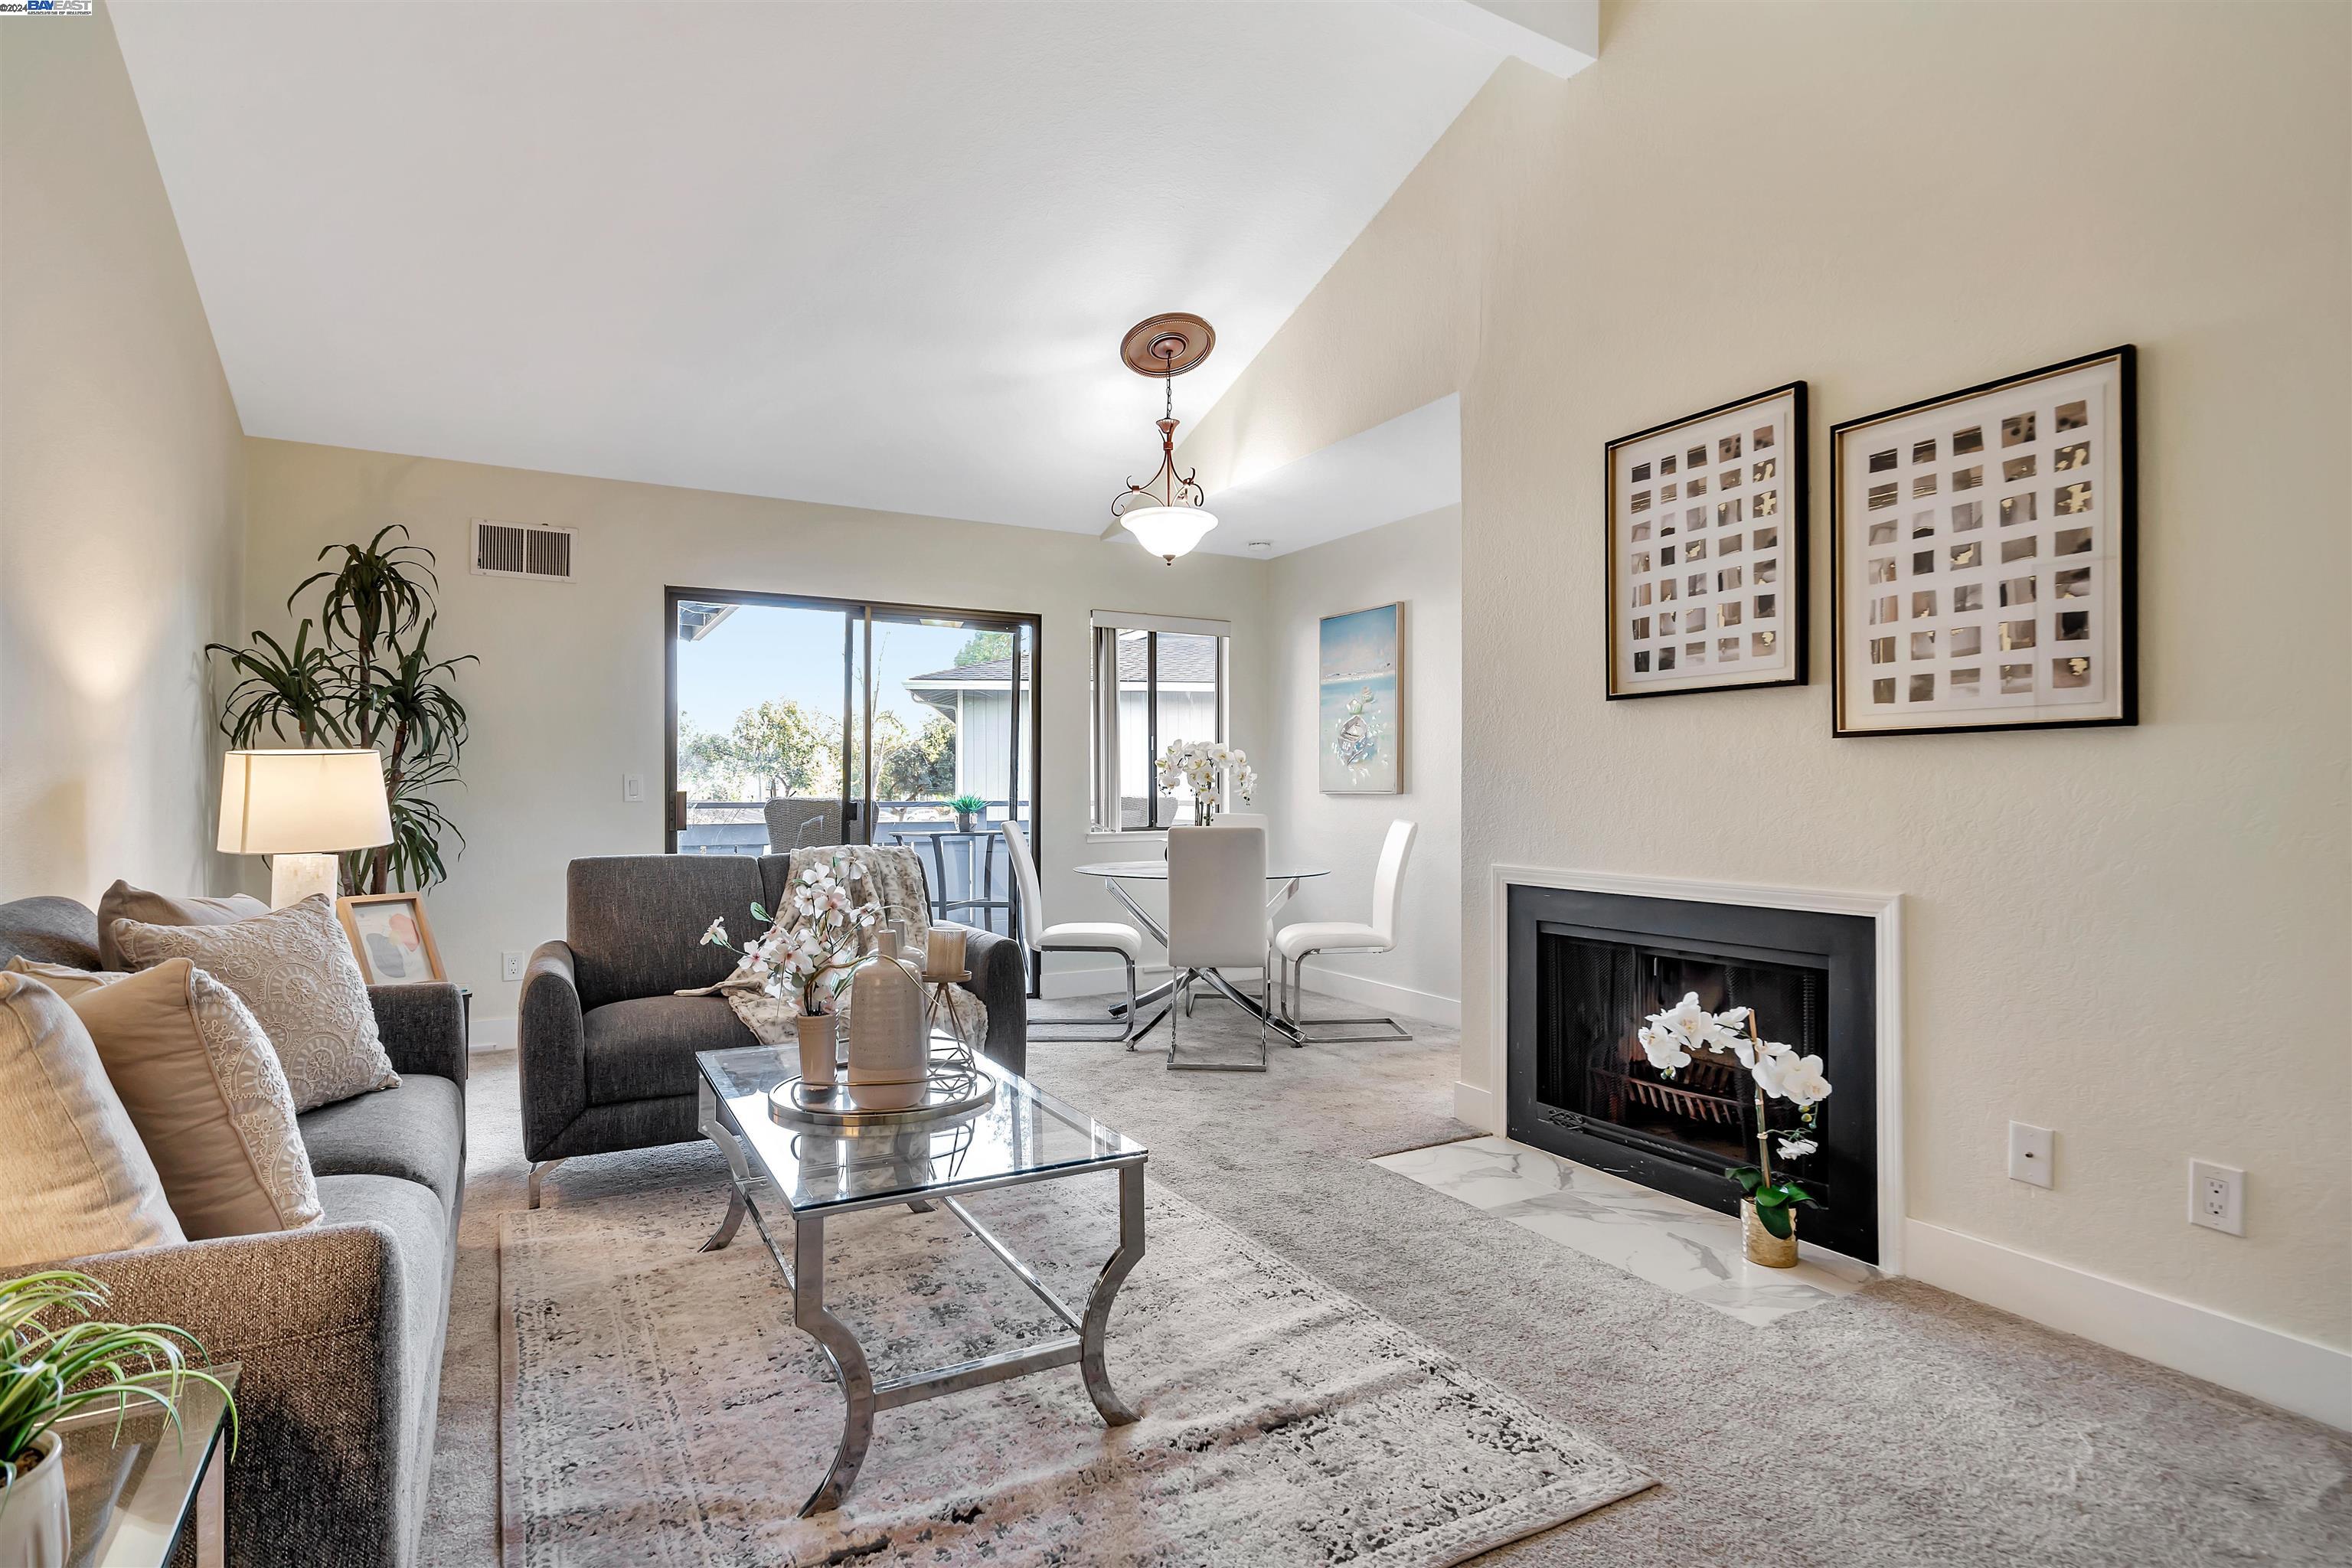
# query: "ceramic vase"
{"points": [[817, 1032], [889, 1039], [1764, 1247], [34, 1523]]}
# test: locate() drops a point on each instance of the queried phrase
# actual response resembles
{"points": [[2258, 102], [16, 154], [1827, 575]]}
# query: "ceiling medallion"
{"points": [[1167, 512]]}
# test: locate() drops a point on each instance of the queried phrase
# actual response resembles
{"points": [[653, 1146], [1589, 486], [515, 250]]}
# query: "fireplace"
{"points": [[1586, 968]]}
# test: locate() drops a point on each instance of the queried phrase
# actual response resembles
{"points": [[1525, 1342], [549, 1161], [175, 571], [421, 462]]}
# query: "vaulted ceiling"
{"points": [[872, 254]]}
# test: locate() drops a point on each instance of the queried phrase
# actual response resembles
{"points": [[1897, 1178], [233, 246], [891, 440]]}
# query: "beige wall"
{"points": [[568, 697], [1418, 561], [2138, 937], [121, 487]]}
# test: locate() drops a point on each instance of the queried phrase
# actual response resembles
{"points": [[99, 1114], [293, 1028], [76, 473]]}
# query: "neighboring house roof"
{"points": [[1183, 661]]}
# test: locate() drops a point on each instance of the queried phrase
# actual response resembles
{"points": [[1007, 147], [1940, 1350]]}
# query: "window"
{"points": [[1156, 680], [845, 722]]}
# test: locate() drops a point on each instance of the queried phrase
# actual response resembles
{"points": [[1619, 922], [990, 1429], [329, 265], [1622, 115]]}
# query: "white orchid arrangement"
{"points": [[811, 949], [1675, 1036], [1210, 769]]}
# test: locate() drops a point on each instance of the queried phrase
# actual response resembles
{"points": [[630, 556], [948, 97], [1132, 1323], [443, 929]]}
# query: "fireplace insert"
{"points": [[1587, 968]]}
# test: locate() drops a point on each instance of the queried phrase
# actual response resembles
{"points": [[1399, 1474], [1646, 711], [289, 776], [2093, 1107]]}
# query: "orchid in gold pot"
{"points": [[1673, 1037]]}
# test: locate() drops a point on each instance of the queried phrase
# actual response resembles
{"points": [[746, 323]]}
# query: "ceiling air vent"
{"points": [[521, 549]]}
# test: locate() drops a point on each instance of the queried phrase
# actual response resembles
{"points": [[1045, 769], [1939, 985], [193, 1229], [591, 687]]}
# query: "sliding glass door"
{"points": [[796, 721]]}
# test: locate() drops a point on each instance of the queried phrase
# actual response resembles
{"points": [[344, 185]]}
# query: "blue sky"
{"points": [[766, 650], [1360, 643]]}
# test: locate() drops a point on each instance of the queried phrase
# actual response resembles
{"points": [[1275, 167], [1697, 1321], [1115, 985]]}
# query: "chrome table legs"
{"points": [[862, 1396]]}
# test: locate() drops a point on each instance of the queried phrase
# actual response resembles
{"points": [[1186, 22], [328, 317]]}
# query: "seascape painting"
{"points": [[1359, 727]]}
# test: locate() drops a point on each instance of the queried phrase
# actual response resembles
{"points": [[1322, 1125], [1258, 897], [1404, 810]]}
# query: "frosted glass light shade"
{"points": [[1168, 531], [302, 803]]}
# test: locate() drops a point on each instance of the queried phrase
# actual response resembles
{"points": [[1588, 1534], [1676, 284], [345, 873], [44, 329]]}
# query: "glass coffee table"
{"points": [[134, 1484], [792, 1177]]}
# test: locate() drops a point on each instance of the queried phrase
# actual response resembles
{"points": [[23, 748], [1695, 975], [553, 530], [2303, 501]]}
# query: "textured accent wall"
{"points": [[122, 489], [2136, 937]]}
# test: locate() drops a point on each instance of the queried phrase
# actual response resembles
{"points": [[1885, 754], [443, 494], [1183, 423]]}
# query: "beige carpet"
{"points": [[1903, 1426], [660, 1407]]}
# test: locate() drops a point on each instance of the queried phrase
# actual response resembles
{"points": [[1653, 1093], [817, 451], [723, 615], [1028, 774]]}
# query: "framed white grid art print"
{"points": [[1985, 562], [1707, 550]]}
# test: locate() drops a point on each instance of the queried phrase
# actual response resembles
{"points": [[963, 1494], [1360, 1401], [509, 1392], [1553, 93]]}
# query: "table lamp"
{"points": [[300, 808]]}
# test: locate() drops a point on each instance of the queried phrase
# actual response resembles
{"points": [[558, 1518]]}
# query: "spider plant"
{"points": [[371, 680], [50, 1371]]}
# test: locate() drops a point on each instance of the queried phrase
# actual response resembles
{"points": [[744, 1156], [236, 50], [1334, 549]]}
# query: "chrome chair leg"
{"points": [[539, 1173], [1392, 1030], [1129, 1030], [1215, 983]]}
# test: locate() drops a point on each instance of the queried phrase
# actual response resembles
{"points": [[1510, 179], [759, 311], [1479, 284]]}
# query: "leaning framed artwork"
{"points": [[1706, 572], [1986, 556], [391, 938], [1359, 698]]}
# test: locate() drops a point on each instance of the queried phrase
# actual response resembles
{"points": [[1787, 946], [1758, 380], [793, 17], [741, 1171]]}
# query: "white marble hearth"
{"points": [[1675, 1245]]}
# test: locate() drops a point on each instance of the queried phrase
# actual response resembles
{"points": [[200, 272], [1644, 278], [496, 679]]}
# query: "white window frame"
{"points": [[1104, 688]]}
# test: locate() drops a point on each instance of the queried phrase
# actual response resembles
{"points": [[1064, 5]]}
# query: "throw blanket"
{"points": [[890, 875]]}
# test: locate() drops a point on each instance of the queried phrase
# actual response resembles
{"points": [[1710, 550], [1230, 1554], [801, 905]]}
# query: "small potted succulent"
{"points": [[1673, 1037], [51, 1371], [970, 812]]}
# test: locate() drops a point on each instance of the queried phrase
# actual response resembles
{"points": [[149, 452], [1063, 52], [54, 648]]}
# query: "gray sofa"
{"points": [[606, 1045], [339, 1328]]}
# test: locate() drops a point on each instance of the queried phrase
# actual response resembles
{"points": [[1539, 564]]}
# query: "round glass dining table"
{"points": [[1282, 881]]}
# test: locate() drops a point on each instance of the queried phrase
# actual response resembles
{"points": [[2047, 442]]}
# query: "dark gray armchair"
{"points": [[607, 1045]]}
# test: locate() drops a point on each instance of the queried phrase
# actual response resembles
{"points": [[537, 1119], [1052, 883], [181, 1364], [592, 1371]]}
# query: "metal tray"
{"points": [[949, 1093]]}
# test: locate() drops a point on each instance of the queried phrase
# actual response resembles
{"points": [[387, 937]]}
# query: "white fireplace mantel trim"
{"points": [[1489, 1106]]}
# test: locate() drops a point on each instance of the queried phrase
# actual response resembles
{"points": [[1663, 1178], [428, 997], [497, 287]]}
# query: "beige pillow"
{"points": [[123, 901], [63, 978], [205, 1092], [294, 968], [76, 1177]]}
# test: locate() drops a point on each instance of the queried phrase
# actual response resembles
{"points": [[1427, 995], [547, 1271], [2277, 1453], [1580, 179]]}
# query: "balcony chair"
{"points": [[1294, 944], [1072, 936]]}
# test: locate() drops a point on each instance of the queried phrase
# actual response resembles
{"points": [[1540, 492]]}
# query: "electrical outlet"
{"points": [[632, 787], [2217, 1197], [2030, 1155], [511, 965]]}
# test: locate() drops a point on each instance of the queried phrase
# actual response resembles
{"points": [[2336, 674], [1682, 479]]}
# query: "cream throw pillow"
{"points": [[205, 1092], [76, 1177], [293, 967], [123, 901]]}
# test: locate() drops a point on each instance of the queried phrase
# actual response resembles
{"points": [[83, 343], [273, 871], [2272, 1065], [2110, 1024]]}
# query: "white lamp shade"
{"points": [[1167, 532], [302, 803]]}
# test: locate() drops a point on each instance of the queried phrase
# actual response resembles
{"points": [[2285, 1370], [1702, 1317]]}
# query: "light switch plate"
{"points": [[2030, 1155], [632, 787]]}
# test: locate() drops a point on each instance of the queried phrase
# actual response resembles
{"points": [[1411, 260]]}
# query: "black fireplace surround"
{"points": [[1586, 969]]}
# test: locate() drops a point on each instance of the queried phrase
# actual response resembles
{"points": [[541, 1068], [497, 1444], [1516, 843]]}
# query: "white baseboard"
{"points": [[491, 1034], [2295, 1374], [1061, 983], [1475, 1106], [1402, 1001]]}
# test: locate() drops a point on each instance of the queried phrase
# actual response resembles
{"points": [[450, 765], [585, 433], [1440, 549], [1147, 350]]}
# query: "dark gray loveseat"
{"points": [[338, 1327], [607, 1046]]}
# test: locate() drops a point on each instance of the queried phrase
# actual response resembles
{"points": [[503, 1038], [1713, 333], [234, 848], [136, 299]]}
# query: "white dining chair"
{"points": [[1294, 944], [1216, 919], [1071, 936]]}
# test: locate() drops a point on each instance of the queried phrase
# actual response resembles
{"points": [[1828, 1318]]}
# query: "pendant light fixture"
{"points": [[1166, 514]]}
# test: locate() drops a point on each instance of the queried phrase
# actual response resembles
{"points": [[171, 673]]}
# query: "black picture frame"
{"points": [[1796, 587], [2125, 515]]}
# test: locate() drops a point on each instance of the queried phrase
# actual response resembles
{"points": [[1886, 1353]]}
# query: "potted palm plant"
{"points": [[49, 1371]]}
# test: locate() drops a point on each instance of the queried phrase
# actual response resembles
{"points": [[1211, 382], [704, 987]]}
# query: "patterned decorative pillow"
{"points": [[124, 902], [197, 1073], [293, 967]]}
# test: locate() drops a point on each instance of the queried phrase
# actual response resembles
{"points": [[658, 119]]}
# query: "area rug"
{"points": [[660, 1409]]}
